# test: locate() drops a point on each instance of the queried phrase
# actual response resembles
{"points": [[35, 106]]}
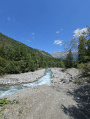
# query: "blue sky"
{"points": [[43, 24]]}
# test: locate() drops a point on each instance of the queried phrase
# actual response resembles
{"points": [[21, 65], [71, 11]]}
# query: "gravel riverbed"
{"points": [[53, 101], [13, 79]]}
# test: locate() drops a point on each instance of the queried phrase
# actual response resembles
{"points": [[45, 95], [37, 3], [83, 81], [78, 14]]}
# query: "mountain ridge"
{"points": [[63, 54], [7, 41], [16, 57]]}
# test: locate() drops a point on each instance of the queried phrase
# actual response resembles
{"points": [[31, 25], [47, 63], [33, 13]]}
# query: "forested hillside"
{"points": [[16, 57]]}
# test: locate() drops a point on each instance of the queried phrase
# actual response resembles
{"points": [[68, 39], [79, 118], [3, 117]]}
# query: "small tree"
{"points": [[86, 69], [69, 60], [81, 49], [88, 50], [88, 47]]}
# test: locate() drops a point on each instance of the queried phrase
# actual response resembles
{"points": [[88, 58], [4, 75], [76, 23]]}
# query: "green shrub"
{"points": [[62, 65], [86, 68], [1, 70], [80, 66], [12, 67], [2, 62], [5, 101]]}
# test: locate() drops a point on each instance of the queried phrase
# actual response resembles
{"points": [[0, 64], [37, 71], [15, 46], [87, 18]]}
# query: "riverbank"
{"points": [[55, 101], [43, 102], [60, 100], [14, 79], [61, 75], [29, 77]]}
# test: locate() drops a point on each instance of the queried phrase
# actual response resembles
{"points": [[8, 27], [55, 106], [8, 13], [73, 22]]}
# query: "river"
{"points": [[8, 90]]}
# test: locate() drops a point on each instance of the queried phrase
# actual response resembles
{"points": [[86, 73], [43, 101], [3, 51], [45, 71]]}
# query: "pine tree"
{"points": [[88, 47], [88, 50], [81, 49], [69, 60]]}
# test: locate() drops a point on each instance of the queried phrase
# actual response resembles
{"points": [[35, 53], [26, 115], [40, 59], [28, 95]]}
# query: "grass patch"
{"points": [[1, 114], [5, 101]]}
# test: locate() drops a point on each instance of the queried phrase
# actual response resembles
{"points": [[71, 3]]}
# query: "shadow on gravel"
{"points": [[82, 97], [73, 112]]}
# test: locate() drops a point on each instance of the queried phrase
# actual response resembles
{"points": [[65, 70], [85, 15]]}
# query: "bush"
{"points": [[80, 66], [62, 65], [86, 68], [12, 67], [1, 70], [75, 64], [22, 65], [2, 62], [5, 101]]}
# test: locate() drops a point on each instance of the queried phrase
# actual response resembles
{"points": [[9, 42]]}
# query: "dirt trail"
{"points": [[43, 102]]}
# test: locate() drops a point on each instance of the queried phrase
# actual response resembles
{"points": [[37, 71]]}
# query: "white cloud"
{"points": [[81, 32], [8, 19], [57, 42], [33, 35], [58, 31]]}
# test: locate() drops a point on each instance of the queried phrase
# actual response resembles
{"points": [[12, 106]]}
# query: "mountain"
{"points": [[44, 53], [9, 42], [16, 57], [63, 54]]}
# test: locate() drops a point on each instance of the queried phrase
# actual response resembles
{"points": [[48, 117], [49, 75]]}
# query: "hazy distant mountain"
{"points": [[63, 54]]}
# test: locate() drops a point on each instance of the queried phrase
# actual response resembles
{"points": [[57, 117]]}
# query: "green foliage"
{"points": [[84, 54], [69, 60], [1, 70], [16, 57], [81, 49], [75, 63], [62, 64], [87, 57], [12, 67], [2, 62], [81, 65], [86, 68], [88, 47], [5, 101], [2, 65]]}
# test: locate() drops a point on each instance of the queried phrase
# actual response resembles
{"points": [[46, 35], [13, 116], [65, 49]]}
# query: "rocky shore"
{"points": [[58, 75], [55, 101], [64, 75], [28, 77]]}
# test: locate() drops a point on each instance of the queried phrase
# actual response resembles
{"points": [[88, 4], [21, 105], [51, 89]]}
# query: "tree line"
{"points": [[16, 57], [83, 60]]}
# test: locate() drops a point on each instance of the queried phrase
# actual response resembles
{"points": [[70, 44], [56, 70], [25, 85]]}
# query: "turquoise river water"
{"points": [[7, 90]]}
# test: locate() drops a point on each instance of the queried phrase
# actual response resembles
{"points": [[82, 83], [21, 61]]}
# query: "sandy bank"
{"points": [[21, 78]]}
